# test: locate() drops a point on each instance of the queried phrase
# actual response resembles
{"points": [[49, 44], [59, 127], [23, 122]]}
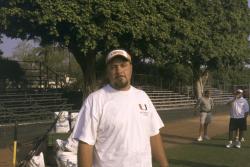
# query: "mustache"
{"points": [[119, 76]]}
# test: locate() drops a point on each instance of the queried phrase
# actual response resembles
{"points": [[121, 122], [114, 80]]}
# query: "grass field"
{"points": [[211, 153]]}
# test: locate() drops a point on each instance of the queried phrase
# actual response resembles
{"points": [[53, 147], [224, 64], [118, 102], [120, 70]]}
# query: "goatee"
{"points": [[120, 84]]}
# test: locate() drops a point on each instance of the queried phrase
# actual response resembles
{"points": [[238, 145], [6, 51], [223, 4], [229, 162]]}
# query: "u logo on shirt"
{"points": [[143, 107]]}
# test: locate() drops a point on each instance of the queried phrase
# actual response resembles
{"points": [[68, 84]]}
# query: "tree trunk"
{"points": [[198, 88], [87, 64], [90, 74], [199, 82]]}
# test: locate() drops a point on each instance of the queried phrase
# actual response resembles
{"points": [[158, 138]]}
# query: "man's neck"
{"points": [[126, 88]]}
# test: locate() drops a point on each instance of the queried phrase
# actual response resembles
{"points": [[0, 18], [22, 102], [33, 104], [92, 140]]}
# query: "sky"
{"points": [[8, 46]]}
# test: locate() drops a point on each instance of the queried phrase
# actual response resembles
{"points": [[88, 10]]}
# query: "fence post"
{"points": [[15, 145], [40, 75], [47, 77], [56, 80]]}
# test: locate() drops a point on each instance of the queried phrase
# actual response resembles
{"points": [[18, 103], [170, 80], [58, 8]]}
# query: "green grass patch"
{"points": [[211, 153]]}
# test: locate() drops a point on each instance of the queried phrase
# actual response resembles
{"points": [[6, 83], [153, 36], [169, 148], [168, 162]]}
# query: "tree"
{"points": [[203, 34], [208, 35], [11, 74], [88, 28]]}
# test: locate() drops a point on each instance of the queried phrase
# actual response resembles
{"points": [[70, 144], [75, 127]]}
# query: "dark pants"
{"points": [[236, 124]]}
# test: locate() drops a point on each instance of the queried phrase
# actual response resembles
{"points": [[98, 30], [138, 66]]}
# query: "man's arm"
{"points": [[231, 100], [158, 151], [246, 114], [196, 106], [84, 155]]}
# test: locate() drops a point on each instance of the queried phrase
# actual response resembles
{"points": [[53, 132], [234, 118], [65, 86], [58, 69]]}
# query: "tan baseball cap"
{"points": [[239, 90], [116, 53]]}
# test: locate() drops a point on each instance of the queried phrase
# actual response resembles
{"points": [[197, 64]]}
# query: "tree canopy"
{"points": [[208, 35], [201, 34]]}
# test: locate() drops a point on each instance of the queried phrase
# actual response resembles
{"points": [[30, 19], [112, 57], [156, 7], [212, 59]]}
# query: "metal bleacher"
{"points": [[31, 107], [37, 100], [40, 99], [165, 100], [219, 96]]}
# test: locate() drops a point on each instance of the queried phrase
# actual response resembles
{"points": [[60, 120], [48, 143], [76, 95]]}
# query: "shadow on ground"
{"points": [[185, 163], [176, 139], [210, 144]]}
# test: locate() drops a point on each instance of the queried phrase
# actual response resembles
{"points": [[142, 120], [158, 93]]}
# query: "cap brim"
{"points": [[118, 53], [239, 91]]}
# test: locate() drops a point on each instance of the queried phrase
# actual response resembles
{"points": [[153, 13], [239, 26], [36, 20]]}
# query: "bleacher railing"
{"points": [[145, 79], [159, 82], [39, 75]]}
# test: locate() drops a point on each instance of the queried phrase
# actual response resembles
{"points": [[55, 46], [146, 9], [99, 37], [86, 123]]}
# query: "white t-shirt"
{"points": [[239, 108], [119, 125]]}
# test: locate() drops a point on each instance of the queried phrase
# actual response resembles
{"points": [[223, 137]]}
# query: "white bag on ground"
{"points": [[62, 124], [37, 161], [71, 144], [60, 145], [73, 117], [66, 159]]}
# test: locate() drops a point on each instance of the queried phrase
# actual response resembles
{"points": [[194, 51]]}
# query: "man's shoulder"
{"points": [[245, 100], [98, 92], [138, 90], [107, 89]]}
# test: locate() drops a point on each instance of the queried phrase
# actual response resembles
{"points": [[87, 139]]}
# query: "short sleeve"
{"points": [[198, 103], [246, 106], [156, 122], [87, 123]]}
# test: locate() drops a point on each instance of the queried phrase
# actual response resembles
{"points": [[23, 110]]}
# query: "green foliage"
{"points": [[209, 33], [178, 74], [231, 76], [11, 73], [206, 34], [89, 28], [88, 25]]}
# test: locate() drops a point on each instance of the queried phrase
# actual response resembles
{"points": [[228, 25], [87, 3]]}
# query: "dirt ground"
{"points": [[6, 157], [26, 136], [175, 132], [186, 130]]}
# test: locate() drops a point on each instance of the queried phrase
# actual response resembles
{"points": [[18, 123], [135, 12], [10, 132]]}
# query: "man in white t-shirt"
{"points": [[238, 118], [118, 126]]}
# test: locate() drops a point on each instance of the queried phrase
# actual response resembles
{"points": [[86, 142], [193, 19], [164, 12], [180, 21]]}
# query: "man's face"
{"points": [[238, 94], [119, 72]]}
